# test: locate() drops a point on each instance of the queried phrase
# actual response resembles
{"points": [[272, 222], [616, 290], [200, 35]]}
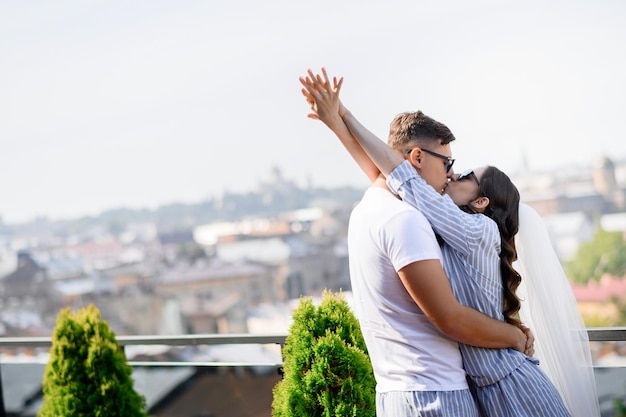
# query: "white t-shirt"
{"points": [[407, 352]]}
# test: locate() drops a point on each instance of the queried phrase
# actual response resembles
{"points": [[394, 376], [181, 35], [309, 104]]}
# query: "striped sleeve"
{"points": [[462, 231]]}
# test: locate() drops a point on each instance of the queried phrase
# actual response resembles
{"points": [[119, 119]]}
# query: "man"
{"points": [[402, 297]]}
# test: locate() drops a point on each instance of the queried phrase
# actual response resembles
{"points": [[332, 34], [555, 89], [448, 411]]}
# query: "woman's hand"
{"points": [[322, 97], [530, 341]]}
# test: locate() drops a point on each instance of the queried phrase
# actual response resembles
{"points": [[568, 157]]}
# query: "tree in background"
{"points": [[87, 373], [327, 371], [605, 253]]}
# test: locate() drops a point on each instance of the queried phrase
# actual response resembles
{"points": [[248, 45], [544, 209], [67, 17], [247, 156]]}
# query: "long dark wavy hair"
{"points": [[503, 208]]}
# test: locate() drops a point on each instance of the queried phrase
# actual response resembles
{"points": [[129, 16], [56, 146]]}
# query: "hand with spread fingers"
{"points": [[323, 98]]}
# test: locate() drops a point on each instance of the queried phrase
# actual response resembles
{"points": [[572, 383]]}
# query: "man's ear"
{"points": [[480, 204], [415, 157]]}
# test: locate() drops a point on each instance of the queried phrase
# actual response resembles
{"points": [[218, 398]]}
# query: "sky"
{"points": [[108, 104]]}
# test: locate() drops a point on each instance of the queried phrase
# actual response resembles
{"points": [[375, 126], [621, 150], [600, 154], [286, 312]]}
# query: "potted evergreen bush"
{"points": [[87, 373], [326, 370]]}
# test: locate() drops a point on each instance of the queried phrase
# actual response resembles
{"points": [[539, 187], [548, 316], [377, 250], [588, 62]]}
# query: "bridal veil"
{"points": [[549, 308]]}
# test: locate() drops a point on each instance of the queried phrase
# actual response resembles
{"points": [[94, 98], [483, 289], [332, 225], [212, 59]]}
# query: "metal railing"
{"points": [[604, 334], [607, 334], [173, 340], [596, 334]]}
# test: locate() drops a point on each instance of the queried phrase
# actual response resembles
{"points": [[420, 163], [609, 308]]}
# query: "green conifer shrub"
{"points": [[87, 373], [326, 369]]}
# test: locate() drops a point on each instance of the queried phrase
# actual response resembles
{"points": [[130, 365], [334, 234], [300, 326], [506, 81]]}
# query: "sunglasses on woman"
{"points": [[467, 174]]}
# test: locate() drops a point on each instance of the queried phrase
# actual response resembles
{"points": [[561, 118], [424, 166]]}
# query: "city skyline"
{"points": [[113, 104]]}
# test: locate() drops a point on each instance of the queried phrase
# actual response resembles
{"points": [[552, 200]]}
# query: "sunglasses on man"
{"points": [[438, 155]]}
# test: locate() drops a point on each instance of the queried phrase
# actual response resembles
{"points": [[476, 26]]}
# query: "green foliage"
{"points": [[619, 407], [620, 307], [87, 374], [327, 372], [596, 320], [604, 254], [608, 318]]}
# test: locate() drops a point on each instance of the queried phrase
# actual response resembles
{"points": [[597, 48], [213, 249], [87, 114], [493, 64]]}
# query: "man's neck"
{"points": [[380, 182]]}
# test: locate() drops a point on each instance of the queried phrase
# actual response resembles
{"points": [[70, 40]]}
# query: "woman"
{"points": [[478, 221]]}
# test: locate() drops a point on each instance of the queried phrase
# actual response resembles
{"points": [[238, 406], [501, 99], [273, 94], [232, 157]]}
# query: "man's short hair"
{"points": [[411, 129]]}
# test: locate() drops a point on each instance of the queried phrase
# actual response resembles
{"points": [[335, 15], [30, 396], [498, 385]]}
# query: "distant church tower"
{"points": [[604, 177], [606, 185], [276, 176]]}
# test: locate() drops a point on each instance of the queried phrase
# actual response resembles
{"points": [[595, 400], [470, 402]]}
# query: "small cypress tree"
{"points": [[326, 370], [87, 373]]}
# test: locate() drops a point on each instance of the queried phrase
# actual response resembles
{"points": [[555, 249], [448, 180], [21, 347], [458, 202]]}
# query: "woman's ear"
{"points": [[480, 204]]}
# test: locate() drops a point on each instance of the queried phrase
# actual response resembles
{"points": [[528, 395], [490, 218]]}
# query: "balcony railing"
{"points": [[43, 344], [178, 340], [607, 334], [599, 334]]}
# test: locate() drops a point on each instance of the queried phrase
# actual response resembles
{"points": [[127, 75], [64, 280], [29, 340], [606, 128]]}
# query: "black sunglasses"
{"points": [[438, 155], [467, 174]]}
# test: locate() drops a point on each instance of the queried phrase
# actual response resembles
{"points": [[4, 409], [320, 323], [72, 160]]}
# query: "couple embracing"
{"points": [[436, 263]]}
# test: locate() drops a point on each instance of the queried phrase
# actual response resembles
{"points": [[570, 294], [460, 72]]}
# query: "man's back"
{"points": [[408, 353]]}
